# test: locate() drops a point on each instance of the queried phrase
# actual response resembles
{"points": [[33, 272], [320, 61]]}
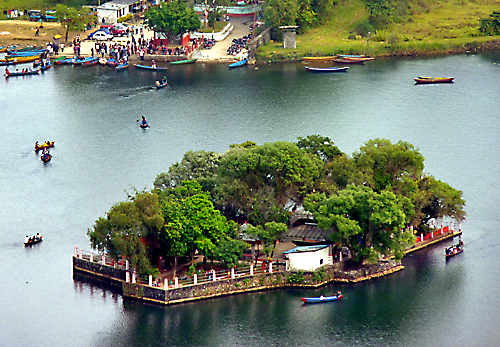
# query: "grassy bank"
{"points": [[432, 28]]}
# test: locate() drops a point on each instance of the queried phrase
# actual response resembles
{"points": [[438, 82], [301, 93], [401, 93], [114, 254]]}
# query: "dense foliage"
{"points": [[366, 201], [304, 13], [73, 19]]}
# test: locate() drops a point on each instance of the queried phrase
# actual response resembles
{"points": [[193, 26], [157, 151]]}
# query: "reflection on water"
{"points": [[100, 153]]}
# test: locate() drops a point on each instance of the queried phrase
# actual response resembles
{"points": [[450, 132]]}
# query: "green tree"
{"points": [[200, 166], [384, 164], [172, 18], [269, 234], [281, 12], [321, 146], [191, 222], [73, 19], [258, 182], [130, 229], [367, 222], [490, 26]]}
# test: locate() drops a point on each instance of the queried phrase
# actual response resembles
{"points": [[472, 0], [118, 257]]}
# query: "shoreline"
{"points": [[271, 278]]}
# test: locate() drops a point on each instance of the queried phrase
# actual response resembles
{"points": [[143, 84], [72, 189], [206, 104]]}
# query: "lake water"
{"points": [[101, 153]]}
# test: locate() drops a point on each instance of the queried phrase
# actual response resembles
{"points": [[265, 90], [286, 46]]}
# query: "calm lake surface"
{"points": [[101, 153]]}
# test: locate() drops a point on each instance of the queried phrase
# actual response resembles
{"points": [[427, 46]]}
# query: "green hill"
{"points": [[430, 27]]}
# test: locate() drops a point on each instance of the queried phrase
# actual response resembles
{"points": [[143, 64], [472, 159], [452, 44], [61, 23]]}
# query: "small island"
{"points": [[218, 224]]}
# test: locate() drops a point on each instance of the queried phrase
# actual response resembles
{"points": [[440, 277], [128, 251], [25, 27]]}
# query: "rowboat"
{"points": [[64, 61], [454, 250], [122, 67], [20, 73], [28, 241], [20, 60], [103, 61], [327, 69], [145, 67], [355, 57], [59, 58], [90, 62], [429, 80], [322, 298], [27, 53], [318, 58], [112, 62], [160, 84], [25, 49], [348, 61], [46, 157], [185, 61], [80, 60], [238, 63], [46, 144], [46, 66]]}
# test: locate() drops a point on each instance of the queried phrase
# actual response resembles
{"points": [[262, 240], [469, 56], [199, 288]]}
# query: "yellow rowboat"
{"points": [[318, 58], [19, 60]]}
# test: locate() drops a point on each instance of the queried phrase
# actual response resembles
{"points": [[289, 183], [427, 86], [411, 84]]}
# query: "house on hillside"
{"points": [[112, 10], [307, 258]]}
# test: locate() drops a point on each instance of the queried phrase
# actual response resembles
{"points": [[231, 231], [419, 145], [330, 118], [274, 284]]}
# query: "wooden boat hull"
{"points": [[46, 157], [33, 242], [145, 67], [348, 61], [121, 67], [327, 69], [45, 145], [318, 300], [238, 63], [433, 80], [318, 58], [160, 85], [20, 60], [186, 61], [14, 74], [90, 62]]}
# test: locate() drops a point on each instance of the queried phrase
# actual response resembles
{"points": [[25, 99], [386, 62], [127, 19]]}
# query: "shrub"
{"points": [[125, 18], [296, 278]]}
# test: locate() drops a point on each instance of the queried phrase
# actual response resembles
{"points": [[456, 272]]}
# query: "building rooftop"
{"points": [[302, 249]]}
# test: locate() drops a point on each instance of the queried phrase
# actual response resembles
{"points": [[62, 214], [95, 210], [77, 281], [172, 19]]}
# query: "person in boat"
{"points": [[153, 66], [144, 121], [321, 297], [164, 80], [36, 144]]}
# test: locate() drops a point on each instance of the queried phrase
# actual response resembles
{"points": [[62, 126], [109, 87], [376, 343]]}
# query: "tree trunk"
{"points": [[175, 266], [66, 35]]}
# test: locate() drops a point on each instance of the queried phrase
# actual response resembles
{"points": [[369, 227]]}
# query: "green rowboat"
{"points": [[186, 61]]}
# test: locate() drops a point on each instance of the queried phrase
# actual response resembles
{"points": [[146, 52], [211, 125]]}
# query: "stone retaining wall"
{"points": [[231, 286]]}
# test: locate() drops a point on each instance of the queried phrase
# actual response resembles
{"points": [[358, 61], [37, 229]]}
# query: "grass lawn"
{"points": [[433, 27]]}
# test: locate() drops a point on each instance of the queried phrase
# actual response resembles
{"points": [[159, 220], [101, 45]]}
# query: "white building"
{"points": [[307, 258], [115, 9]]}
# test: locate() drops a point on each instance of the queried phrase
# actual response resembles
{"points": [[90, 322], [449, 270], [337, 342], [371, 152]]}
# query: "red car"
{"points": [[118, 30]]}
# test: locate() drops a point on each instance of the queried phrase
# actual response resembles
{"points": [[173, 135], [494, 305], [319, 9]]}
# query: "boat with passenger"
{"points": [[28, 241], [46, 144], [454, 250], [321, 298]]}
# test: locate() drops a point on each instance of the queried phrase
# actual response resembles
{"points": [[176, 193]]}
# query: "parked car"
{"points": [[101, 35], [119, 29]]}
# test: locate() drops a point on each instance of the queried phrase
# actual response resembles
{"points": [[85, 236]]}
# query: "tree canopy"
{"points": [[366, 201], [172, 18], [73, 19]]}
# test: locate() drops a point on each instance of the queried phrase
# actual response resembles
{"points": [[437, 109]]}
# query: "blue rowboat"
{"points": [[327, 69], [64, 61], [160, 84], [238, 63], [321, 299], [20, 73], [145, 67], [78, 61], [121, 67], [27, 53]]}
